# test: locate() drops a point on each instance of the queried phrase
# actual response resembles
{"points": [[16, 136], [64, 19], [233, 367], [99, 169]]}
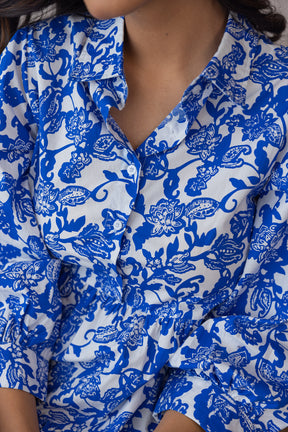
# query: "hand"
{"points": [[172, 420]]}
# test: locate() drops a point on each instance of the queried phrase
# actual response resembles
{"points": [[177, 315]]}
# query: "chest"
{"points": [[96, 198], [147, 105]]}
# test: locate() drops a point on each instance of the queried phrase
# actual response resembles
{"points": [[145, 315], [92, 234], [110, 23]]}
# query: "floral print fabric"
{"points": [[133, 282]]}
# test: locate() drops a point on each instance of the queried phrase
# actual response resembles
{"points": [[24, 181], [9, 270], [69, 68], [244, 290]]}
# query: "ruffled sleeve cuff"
{"points": [[216, 410], [23, 369]]}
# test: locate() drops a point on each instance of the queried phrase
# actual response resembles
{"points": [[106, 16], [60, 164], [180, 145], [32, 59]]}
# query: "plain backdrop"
{"points": [[282, 6]]}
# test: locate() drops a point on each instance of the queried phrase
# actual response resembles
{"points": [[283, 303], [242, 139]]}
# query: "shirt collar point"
{"points": [[100, 56], [229, 68]]}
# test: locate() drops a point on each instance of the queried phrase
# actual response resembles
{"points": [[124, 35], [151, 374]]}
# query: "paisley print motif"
{"points": [[133, 282]]}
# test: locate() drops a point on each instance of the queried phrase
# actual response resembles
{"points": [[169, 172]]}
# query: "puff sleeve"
{"points": [[231, 372], [30, 304]]}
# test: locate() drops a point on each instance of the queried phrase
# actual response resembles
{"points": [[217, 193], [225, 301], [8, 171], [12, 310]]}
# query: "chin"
{"points": [[107, 9], [100, 14]]}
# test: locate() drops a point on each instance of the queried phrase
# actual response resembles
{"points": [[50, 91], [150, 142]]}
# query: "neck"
{"points": [[174, 34]]}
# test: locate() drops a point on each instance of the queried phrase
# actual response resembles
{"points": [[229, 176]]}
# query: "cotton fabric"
{"points": [[136, 281]]}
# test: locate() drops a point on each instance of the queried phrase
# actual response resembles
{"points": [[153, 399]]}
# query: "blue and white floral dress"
{"points": [[137, 281]]}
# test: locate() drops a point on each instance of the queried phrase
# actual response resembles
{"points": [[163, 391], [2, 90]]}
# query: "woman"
{"points": [[144, 233]]}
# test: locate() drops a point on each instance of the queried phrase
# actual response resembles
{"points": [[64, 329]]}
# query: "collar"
{"points": [[229, 69], [98, 49], [98, 56]]}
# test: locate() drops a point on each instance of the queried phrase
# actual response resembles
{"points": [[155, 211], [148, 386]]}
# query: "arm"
{"points": [[30, 303], [173, 420], [230, 373], [17, 411]]}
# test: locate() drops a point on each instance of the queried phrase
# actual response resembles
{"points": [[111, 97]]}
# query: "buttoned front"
{"points": [[137, 281]]}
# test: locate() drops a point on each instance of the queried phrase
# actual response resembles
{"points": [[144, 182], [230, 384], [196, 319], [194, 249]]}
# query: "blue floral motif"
{"points": [[17, 148], [154, 262], [266, 238], [221, 411], [225, 251], [50, 105], [2, 120], [156, 167], [196, 185], [36, 248], [89, 387], [241, 224], [231, 158], [44, 48], [201, 208], [236, 57], [74, 196], [266, 68], [203, 142], [77, 125], [71, 170], [257, 125], [133, 332], [7, 253], [114, 222], [166, 217], [138, 281], [45, 197], [103, 148], [24, 275], [92, 243]]}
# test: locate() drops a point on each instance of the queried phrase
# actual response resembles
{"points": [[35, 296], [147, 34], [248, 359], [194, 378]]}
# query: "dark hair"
{"points": [[12, 14], [260, 13]]}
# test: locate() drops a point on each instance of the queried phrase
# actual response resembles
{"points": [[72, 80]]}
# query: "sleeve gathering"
{"points": [[231, 373], [30, 304]]}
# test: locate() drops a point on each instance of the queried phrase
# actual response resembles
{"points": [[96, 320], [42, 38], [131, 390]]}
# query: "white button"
{"points": [[117, 225], [131, 170]]}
